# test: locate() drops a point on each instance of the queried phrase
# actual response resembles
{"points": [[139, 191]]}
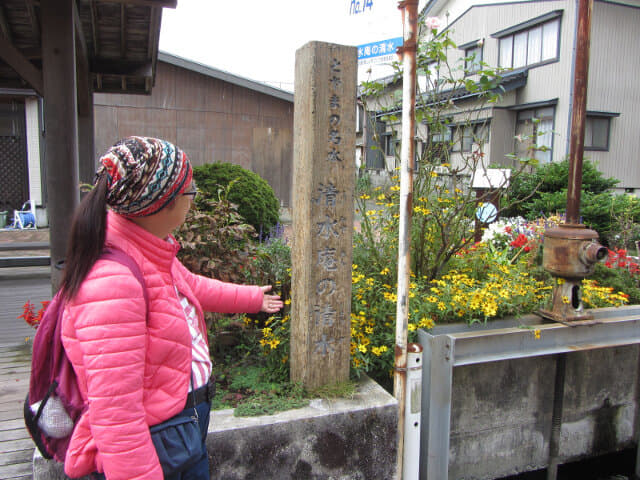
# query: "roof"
{"points": [[117, 39], [225, 76], [509, 80]]}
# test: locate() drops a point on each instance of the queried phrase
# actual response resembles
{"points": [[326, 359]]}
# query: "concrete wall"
{"points": [[501, 411]]}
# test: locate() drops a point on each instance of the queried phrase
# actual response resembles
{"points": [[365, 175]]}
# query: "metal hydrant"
{"points": [[570, 254]]}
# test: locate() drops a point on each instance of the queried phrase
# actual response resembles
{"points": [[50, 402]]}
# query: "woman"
{"points": [[139, 366]]}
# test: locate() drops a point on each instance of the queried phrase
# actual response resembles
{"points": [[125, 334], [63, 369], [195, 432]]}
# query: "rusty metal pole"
{"points": [[579, 112], [560, 244], [408, 51]]}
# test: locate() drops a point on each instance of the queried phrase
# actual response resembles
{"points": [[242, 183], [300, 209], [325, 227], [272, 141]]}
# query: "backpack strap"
{"points": [[117, 255]]}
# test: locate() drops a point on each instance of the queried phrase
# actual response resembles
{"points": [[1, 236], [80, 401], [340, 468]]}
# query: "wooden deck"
{"points": [[16, 447]]}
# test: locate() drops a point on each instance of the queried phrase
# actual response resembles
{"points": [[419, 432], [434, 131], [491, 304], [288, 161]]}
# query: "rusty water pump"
{"points": [[571, 250], [570, 254]]}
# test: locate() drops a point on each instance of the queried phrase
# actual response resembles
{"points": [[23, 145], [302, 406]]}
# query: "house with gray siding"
{"points": [[534, 42]]}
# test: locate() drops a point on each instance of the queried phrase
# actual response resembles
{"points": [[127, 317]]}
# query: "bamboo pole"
{"points": [[408, 51]]}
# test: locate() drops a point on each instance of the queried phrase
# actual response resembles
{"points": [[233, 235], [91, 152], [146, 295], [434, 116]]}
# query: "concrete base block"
{"points": [[345, 439], [342, 439]]}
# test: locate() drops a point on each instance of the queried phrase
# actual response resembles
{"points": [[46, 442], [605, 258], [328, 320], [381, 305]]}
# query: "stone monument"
{"points": [[322, 205]]}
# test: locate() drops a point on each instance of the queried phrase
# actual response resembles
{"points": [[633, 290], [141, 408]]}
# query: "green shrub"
{"points": [[217, 244], [255, 198], [552, 178]]}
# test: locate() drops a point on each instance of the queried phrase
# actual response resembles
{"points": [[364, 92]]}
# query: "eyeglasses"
{"points": [[193, 194]]}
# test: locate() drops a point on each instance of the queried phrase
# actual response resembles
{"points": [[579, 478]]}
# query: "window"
{"points": [[389, 143], [359, 117], [428, 79], [530, 46], [473, 56], [440, 146], [534, 130], [596, 133], [474, 135], [373, 152]]}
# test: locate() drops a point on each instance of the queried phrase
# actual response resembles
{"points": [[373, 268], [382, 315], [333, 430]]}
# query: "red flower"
{"points": [[30, 317], [520, 241]]}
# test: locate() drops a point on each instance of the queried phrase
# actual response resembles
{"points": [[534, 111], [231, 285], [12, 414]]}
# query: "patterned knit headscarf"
{"points": [[144, 175]]}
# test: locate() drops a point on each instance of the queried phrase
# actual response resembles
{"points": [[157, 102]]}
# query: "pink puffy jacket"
{"points": [[133, 368]]}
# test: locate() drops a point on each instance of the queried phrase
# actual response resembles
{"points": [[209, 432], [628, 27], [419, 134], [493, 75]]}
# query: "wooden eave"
{"points": [[116, 43]]}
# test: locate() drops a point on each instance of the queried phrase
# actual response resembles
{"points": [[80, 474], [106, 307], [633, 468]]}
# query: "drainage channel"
{"points": [[613, 466]]}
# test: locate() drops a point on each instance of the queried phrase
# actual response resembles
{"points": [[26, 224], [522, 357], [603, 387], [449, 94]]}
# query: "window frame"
{"points": [[458, 135], [534, 114], [389, 143], [526, 28], [468, 51], [591, 148]]}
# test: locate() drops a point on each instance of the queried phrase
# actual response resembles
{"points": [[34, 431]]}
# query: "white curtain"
{"points": [[520, 50], [544, 138], [550, 39], [506, 48], [535, 46]]}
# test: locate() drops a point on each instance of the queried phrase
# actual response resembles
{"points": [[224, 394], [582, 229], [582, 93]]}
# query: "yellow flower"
{"points": [[412, 327], [287, 301], [560, 281], [364, 196], [362, 348], [536, 334], [426, 323], [565, 299], [434, 174]]}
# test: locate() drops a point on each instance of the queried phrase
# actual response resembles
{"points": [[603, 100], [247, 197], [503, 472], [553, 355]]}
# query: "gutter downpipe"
{"points": [[409, 10], [574, 190]]}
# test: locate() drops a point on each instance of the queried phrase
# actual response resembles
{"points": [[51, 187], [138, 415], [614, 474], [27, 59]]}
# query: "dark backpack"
{"points": [[53, 386]]}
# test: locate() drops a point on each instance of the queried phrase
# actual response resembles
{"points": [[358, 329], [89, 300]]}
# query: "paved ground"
{"points": [[17, 285]]}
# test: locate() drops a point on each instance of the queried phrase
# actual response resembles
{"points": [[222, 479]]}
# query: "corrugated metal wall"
{"points": [[211, 120], [614, 74]]}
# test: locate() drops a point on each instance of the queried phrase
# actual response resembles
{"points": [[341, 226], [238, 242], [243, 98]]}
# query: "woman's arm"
{"points": [[223, 297]]}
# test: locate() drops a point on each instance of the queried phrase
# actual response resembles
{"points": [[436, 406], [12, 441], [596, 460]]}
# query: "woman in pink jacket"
{"points": [[139, 364]]}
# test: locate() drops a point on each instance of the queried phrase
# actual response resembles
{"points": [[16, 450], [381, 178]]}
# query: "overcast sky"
{"points": [[257, 39]]}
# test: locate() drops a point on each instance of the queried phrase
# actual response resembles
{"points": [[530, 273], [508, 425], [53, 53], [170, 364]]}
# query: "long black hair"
{"points": [[86, 239]]}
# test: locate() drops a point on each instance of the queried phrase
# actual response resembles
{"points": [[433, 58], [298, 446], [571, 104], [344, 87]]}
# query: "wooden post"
{"points": [[87, 161], [323, 189], [61, 123]]}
